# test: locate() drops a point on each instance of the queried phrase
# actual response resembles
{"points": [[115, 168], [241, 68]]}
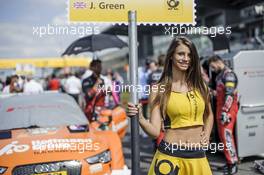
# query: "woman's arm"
{"points": [[151, 127], [208, 123]]}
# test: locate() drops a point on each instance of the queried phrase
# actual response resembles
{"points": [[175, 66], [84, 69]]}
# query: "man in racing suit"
{"points": [[226, 110], [93, 91]]}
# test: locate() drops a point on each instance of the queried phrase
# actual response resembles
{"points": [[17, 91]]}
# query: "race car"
{"points": [[48, 134]]}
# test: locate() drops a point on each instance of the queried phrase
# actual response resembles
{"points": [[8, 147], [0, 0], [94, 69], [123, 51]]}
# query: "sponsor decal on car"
{"points": [[14, 147], [52, 145]]}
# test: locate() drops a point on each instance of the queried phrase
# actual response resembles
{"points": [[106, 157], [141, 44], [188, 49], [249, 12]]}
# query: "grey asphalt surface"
{"points": [[215, 159]]}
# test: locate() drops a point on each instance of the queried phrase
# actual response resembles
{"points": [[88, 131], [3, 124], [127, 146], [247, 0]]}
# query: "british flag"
{"points": [[79, 5]]}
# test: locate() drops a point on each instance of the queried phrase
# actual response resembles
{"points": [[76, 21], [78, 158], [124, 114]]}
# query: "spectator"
{"points": [[21, 82], [12, 85], [54, 83], [205, 76], [63, 78], [143, 74], [1, 85], [7, 85], [118, 81], [32, 86], [114, 96], [73, 86], [156, 70]]}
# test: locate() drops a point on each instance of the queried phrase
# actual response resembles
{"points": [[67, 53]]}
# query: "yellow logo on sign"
{"points": [[148, 11]]}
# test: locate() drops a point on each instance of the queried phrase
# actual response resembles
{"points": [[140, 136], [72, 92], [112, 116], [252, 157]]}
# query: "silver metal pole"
{"points": [[133, 71]]}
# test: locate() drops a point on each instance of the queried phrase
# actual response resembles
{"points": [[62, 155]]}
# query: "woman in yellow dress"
{"points": [[180, 107]]}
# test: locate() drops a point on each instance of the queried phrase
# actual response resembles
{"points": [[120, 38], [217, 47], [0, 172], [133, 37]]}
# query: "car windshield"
{"points": [[42, 110]]}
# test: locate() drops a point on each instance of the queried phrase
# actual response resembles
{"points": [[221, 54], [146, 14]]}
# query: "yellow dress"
{"points": [[183, 109]]}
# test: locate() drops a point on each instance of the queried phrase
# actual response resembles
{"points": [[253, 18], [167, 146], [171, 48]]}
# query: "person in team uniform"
{"points": [[94, 96], [226, 110]]}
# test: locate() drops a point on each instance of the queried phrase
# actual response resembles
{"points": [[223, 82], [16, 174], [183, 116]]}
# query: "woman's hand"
{"points": [[151, 127], [135, 110], [204, 139]]}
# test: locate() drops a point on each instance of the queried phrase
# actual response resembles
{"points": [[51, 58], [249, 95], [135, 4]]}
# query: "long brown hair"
{"points": [[193, 76]]}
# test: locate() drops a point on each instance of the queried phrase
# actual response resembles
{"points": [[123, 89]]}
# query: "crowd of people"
{"points": [[18, 84], [83, 87]]}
